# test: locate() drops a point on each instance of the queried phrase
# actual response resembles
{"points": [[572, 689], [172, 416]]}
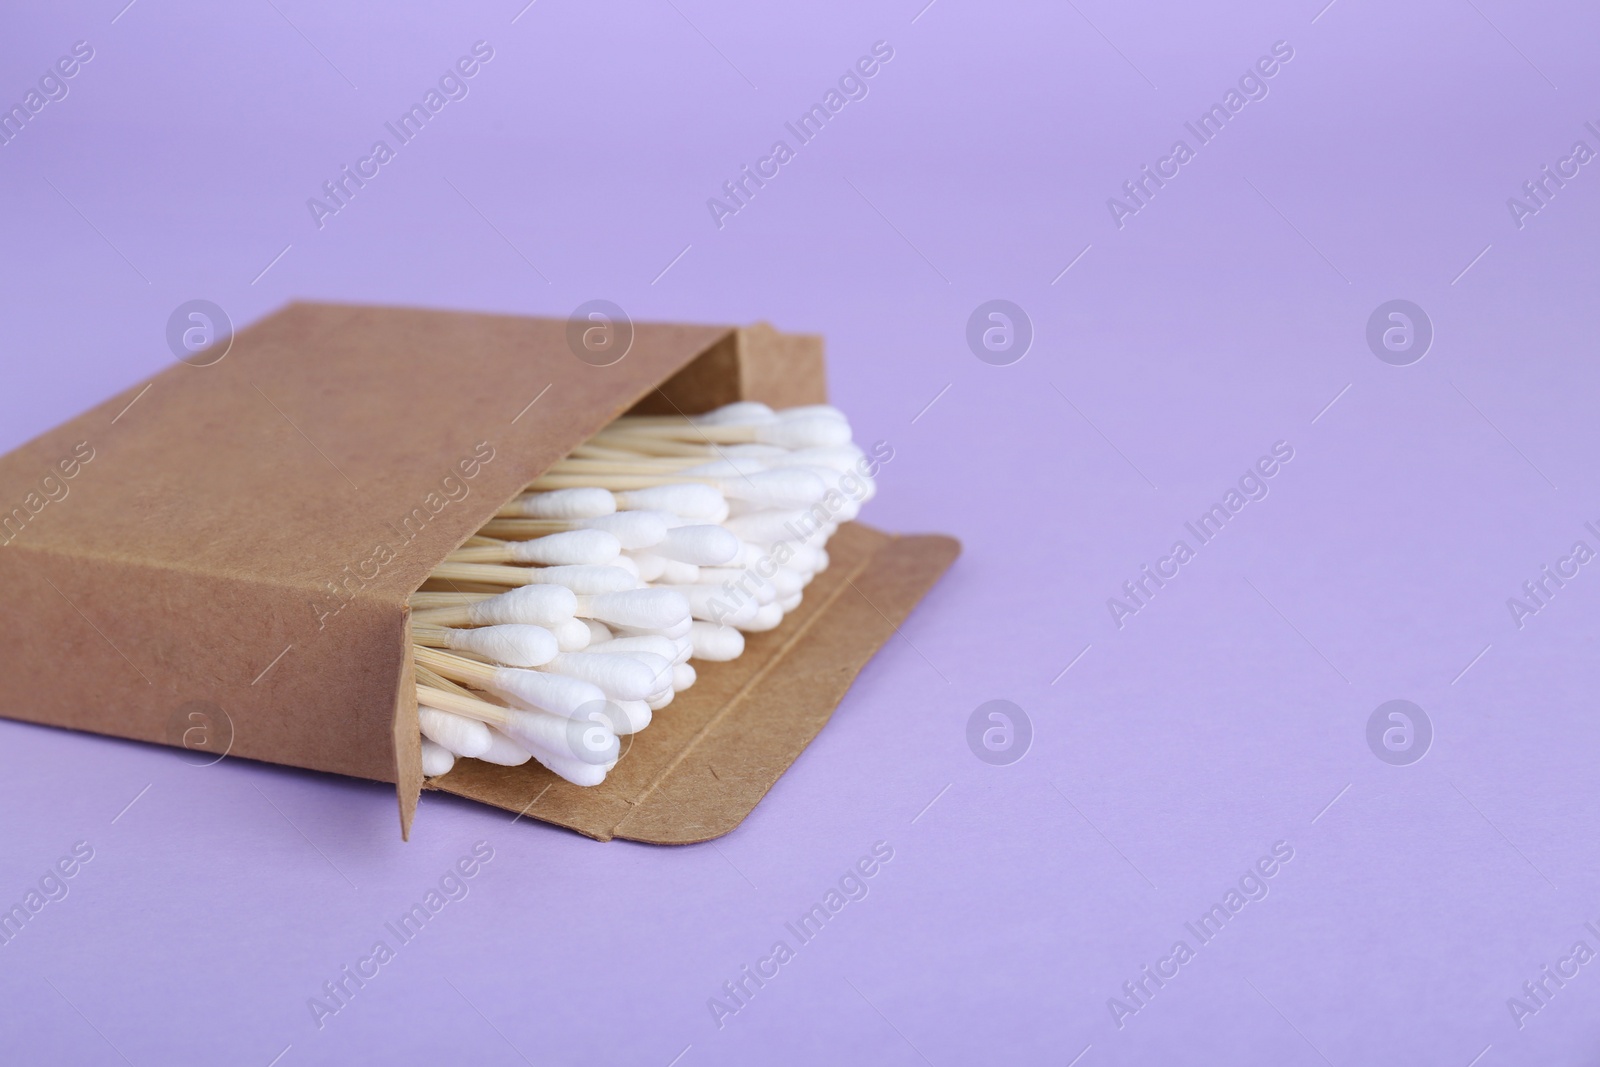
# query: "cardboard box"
{"points": [[221, 558]]}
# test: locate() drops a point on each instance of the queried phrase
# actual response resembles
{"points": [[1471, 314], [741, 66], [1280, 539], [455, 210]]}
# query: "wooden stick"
{"points": [[489, 574], [430, 636], [622, 462], [423, 601], [445, 609], [653, 446], [456, 668], [434, 585], [438, 681], [493, 552], [652, 420], [590, 450], [547, 482], [459, 704], [729, 434], [525, 529], [456, 616]]}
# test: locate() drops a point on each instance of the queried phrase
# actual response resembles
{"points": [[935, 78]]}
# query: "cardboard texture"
{"points": [[221, 558]]}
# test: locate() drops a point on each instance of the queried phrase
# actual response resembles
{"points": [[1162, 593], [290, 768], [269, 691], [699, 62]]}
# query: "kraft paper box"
{"points": [[221, 558]]}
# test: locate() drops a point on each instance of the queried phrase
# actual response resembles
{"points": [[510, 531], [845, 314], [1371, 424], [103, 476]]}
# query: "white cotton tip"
{"points": [[436, 759], [840, 459], [598, 631], [566, 504], [739, 413], [535, 605], [807, 559], [679, 629], [807, 411], [584, 581], [849, 507], [683, 676], [732, 467], [807, 431], [688, 499], [650, 565], [573, 635], [795, 487], [629, 564], [789, 603], [716, 644], [574, 771], [660, 668], [638, 609], [675, 573], [706, 546], [634, 716], [770, 526], [664, 647], [572, 547], [511, 644], [711, 603], [555, 693], [787, 583], [587, 737], [620, 675], [758, 451], [459, 735], [766, 618], [633, 529], [504, 751], [747, 582], [661, 698]]}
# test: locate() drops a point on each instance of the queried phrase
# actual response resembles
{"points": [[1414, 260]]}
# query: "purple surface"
{"points": [[1228, 714]]}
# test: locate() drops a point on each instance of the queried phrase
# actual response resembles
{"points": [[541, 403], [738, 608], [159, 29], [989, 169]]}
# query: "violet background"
{"points": [[1226, 716]]}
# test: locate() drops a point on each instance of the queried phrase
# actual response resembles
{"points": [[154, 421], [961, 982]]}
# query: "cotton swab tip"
{"points": [[807, 431], [555, 693], [459, 735], [513, 644], [504, 751], [587, 737], [565, 504], [705, 546], [436, 759], [572, 635], [585, 580], [620, 676], [632, 529], [788, 487], [689, 499], [571, 547], [716, 644], [767, 617], [536, 605], [639, 609], [738, 413], [683, 676]]}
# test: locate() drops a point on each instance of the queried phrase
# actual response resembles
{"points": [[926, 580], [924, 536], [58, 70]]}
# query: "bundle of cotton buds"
{"points": [[571, 618]]}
